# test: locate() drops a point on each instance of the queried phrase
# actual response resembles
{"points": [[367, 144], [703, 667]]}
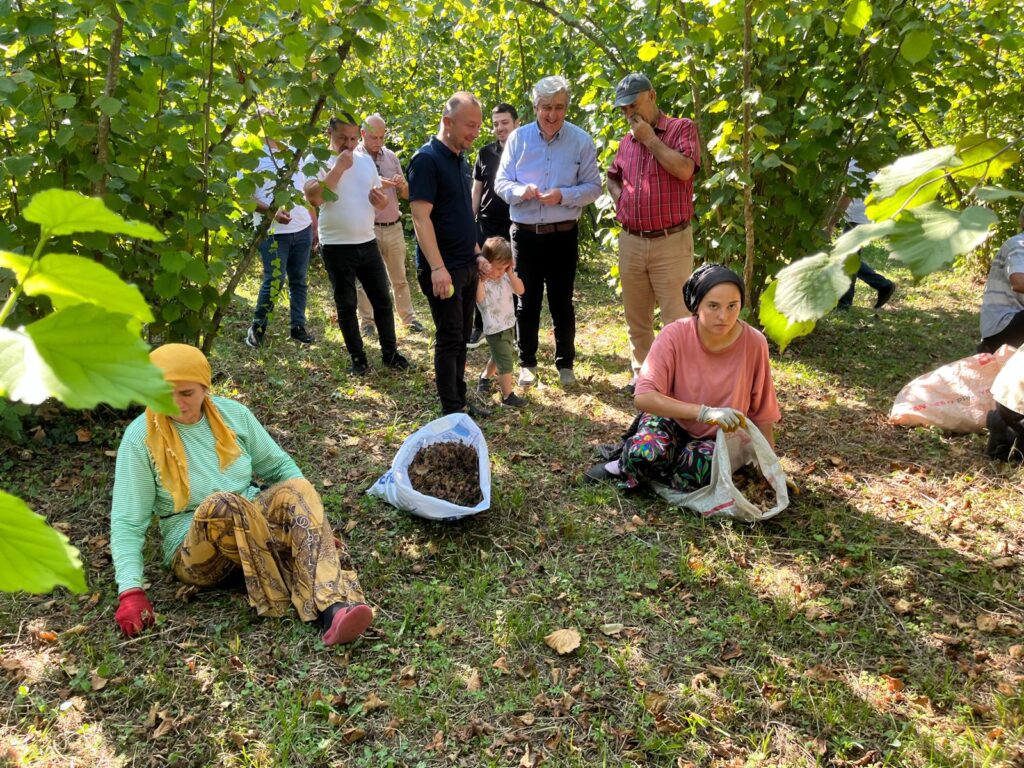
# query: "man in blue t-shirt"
{"points": [[447, 255]]}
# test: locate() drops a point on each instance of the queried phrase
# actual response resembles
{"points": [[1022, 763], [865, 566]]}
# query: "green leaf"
{"points": [[65, 101], [776, 325], [648, 51], [989, 194], [910, 181], [984, 158], [33, 556], [831, 27], [167, 285], [70, 280], [810, 287], [916, 45], [858, 14], [82, 355], [62, 212], [937, 235], [108, 105], [856, 238]]}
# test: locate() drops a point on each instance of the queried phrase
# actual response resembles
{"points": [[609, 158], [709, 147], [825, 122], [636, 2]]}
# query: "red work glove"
{"points": [[134, 612]]}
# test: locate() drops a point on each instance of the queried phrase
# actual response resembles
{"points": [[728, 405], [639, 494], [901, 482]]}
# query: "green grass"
{"points": [[875, 622]]}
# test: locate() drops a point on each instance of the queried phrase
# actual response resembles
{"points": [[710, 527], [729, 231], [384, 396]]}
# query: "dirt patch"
{"points": [[447, 471]]}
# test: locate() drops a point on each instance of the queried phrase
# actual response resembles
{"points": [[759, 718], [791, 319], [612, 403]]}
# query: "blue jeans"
{"points": [[284, 255], [866, 274]]}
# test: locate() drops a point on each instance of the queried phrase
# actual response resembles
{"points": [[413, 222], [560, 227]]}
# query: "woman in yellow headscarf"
{"points": [[194, 472]]}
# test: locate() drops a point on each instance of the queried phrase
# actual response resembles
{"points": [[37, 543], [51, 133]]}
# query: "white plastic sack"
{"points": [[720, 497], [955, 397], [396, 489]]}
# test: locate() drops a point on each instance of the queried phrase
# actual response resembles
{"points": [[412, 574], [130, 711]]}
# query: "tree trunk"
{"points": [[748, 186]]}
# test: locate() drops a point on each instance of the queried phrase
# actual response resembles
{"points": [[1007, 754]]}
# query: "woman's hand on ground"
{"points": [[728, 419], [135, 612]]}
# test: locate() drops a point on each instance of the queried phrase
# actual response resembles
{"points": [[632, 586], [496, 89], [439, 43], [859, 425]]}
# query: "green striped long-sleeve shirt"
{"points": [[139, 496]]}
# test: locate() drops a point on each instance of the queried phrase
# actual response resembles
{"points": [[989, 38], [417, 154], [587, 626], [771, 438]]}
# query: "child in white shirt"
{"points": [[494, 298]]}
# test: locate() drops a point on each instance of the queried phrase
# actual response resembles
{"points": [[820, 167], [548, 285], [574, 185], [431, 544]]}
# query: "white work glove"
{"points": [[728, 419]]}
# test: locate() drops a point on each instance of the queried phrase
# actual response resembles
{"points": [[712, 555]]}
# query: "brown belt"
{"points": [[545, 229], [651, 234], [387, 223]]}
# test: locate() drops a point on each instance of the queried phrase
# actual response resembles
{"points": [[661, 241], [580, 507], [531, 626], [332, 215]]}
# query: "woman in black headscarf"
{"points": [[704, 372]]}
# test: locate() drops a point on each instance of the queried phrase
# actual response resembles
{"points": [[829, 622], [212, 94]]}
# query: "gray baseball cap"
{"points": [[630, 87]]}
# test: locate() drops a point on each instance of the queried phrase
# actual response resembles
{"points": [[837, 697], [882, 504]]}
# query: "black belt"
{"points": [[545, 229], [387, 223], [651, 234]]}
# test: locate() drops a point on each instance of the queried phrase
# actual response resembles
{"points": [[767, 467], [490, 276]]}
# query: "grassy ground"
{"points": [[877, 621]]}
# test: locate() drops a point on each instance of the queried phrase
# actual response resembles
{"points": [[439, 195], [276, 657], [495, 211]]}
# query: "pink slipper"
{"points": [[348, 624]]}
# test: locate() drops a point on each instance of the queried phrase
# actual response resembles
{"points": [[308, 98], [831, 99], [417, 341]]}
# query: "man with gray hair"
{"points": [[387, 226], [1002, 306], [548, 174]]}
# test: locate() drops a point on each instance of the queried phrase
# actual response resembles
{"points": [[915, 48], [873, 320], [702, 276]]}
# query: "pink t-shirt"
{"points": [[739, 376]]}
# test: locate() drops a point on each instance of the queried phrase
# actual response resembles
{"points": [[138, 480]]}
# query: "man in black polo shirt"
{"points": [[490, 210], [447, 258]]}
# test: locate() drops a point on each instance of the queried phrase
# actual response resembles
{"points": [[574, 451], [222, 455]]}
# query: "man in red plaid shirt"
{"points": [[651, 181]]}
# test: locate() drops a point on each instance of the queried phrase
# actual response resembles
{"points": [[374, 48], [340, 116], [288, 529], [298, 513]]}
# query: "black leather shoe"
{"points": [[300, 334], [255, 336], [397, 361], [358, 367]]}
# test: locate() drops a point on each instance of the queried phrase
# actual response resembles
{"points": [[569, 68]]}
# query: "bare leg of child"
{"points": [[505, 382]]}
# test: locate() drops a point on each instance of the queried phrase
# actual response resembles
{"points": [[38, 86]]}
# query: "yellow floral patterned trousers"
{"points": [[283, 543]]}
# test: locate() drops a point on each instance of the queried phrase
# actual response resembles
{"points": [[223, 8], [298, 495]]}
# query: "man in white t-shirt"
{"points": [[349, 245], [286, 248], [1002, 306]]}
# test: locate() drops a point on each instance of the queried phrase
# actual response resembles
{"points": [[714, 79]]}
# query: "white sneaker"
{"points": [[527, 377], [566, 377]]}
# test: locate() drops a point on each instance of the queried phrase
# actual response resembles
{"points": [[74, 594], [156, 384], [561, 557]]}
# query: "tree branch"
{"points": [[109, 86], [583, 30]]}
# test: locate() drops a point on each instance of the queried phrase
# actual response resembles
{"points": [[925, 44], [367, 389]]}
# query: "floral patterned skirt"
{"points": [[661, 450]]}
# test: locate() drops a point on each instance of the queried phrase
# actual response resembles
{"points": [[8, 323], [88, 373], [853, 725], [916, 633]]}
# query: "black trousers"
{"points": [[453, 322], [1013, 334], [1005, 434], [549, 261], [345, 264]]}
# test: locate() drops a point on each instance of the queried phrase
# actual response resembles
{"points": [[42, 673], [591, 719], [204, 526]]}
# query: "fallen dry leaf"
{"points": [[350, 526], [611, 629], [83, 434], [987, 622], [527, 718], [472, 680], [903, 607], [894, 684], [563, 641], [97, 682], [655, 703], [47, 636], [501, 664], [1016, 651], [529, 759], [78, 629], [434, 632], [436, 744], [373, 702], [731, 650], [718, 672], [1004, 562], [352, 735]]}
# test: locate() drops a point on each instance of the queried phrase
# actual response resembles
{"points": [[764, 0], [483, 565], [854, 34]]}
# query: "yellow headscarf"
{"points": [[181, 362]]}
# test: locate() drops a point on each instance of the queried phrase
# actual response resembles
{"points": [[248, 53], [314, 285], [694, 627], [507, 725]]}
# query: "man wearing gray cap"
{"points": [[651, 182]]}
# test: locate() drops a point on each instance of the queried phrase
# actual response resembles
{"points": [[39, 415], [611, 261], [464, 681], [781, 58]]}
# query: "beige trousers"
{"points": [[391, 244], [652, 272]]}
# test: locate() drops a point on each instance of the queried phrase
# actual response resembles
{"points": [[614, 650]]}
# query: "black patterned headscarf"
{"points": [[706, 277]]}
